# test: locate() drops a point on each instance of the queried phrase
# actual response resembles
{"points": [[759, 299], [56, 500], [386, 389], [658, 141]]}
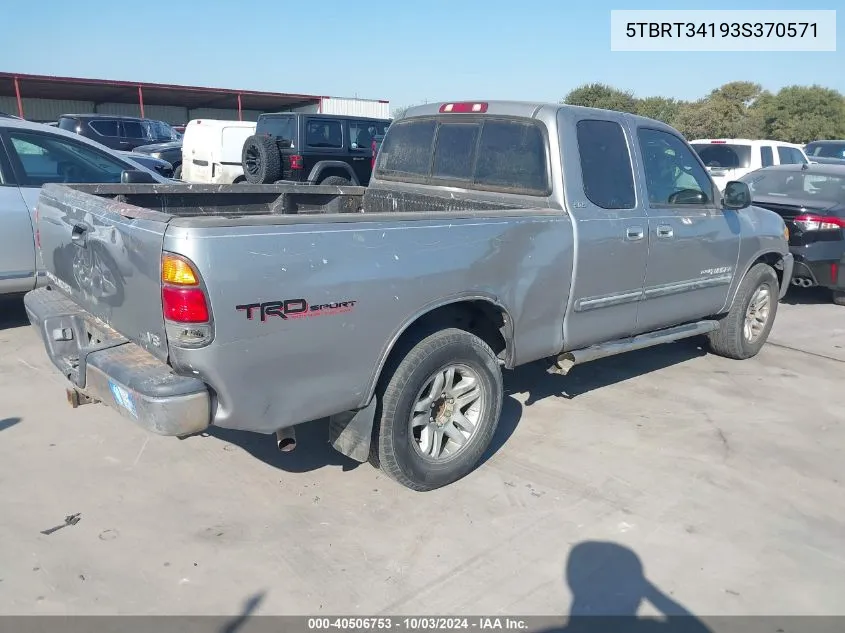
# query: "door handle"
{"points": [[634, 233], [664, 230]]}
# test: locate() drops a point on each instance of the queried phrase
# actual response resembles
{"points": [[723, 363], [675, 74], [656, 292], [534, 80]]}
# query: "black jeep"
{"points": [[323, 149]]}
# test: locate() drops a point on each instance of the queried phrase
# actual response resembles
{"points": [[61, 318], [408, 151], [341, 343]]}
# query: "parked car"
{"points": [[31, 155], [211, 151], [491, 235], [170, 152], [829, 152], [163, 167], [311, 148], [730, 159], [811, 200], [118, 132]]}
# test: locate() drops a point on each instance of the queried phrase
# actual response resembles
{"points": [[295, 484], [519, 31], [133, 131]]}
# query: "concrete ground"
{"points": [[667, 475]]}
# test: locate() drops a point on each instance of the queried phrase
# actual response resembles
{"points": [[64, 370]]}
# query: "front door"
{"points": [[693, 242], [611, 230]]}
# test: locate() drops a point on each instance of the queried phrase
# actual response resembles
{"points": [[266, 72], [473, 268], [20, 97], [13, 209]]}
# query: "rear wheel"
{"points": [[743, 332], [177, 172], [439, 410], [261, 160], [839, 298], [338, 181]]}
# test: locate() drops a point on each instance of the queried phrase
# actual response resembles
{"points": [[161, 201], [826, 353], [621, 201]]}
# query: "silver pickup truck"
{"points": [[492, 235]]}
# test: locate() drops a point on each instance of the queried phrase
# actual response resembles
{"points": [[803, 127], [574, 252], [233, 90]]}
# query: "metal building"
{"points": [[45, 98]]}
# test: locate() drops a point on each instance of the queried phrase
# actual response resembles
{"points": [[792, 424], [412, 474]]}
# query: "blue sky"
{"points": [[407, 52]]}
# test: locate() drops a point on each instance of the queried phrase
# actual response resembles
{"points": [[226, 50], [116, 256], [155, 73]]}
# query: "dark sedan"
{"points": [[811, 200], [831, 152], [170, 152]]}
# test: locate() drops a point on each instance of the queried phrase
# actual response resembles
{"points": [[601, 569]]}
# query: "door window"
{"points": [[133, 130], [104, 128], [671, 169], [766, 156], [46, 158], [605, 164]]}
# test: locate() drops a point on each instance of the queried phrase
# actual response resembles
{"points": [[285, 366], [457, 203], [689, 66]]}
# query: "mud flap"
{"points": [[351, 432]]}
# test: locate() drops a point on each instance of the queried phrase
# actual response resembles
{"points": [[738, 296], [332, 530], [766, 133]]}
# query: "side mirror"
{"points": [[736, 196], [688, 196], [136, 177]]}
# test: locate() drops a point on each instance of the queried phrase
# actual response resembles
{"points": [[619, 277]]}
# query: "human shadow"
{"points": [[535, 380], [608, 586], [250, 606], [8, 422], [807, 296], [12, 313]]}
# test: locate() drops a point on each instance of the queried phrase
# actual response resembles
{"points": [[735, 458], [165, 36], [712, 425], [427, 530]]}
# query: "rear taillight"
{"points": [[184, 304], [296, 161], [834, 273], [37, 232], [812, 222], [465, 107]]}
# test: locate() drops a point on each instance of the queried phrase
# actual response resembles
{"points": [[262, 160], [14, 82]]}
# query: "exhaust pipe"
{"points": [[286, 439], [803, 282]]}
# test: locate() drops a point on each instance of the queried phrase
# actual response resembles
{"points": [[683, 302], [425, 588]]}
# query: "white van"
{"points": [[211, 150], [730, 158]]}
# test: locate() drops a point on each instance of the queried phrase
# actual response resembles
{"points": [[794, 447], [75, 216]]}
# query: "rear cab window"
{"points": [[485, 153], [766, 157], [606, 170]]}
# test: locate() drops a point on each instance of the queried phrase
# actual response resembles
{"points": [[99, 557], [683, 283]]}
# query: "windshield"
{"points": [[794, 184], [159, 131], [827, 150], [724, 155]]}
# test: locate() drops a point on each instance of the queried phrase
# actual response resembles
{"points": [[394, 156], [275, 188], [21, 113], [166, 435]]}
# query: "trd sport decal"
{"points": [[293, 309]]}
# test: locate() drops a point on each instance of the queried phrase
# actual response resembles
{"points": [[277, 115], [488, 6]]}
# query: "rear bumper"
{"points": [[106, 367], [823, 263]]}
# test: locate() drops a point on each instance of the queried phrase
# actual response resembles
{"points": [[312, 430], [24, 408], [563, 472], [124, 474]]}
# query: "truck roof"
{"points": [[524, 109]]}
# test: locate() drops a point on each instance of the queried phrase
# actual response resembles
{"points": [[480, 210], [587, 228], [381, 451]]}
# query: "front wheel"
{"points": [[743, 332], [439, 410]]}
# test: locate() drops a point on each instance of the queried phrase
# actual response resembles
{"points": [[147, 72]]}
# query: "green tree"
{"points": [[800, 114], [660, 108], [598, 95]]}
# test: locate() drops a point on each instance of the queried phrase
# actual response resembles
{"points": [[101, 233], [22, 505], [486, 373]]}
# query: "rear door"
{"points": [[200, 138], [611, 229], [693, 243], [17, 244], [323, 141]]}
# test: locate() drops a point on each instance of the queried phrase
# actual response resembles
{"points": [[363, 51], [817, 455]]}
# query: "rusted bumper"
{"points": [[103, 366]]}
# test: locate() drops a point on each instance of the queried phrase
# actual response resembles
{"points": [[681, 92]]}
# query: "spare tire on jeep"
{"points": [[261, 160]]}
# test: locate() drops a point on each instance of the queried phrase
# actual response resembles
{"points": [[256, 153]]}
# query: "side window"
{"points": [[133, 129], [407, 148], [671, 168], [104, 128], [323, 133], [606, 169], [766, 156], [68, 124], [786, 155], [797, 156], [361, 134], [512, 155], [282, 127], [46, 158], [455, 153]]}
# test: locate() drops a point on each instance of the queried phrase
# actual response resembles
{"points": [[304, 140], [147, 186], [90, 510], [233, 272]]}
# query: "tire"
{"points": [[261, 160], [839, 298], [396, 447], [731, 340], [338, 181], [177, 172]]}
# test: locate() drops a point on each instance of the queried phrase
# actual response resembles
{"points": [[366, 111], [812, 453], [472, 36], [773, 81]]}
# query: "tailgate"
{"points": [[106, 255]]}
